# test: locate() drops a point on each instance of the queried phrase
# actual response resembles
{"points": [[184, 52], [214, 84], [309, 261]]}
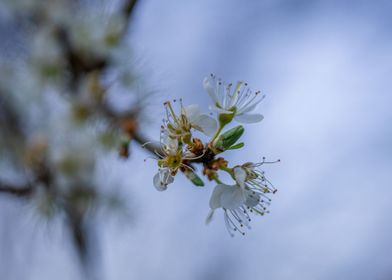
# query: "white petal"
{"points": [[209, 217], [171, 145], [252, 199], [219, 110], [206, 124], [209, 85], [232, 197], [249, 118], [240, 176], [192, 112], [158, 183], [216, 195], [162, 179], [235, 96], [169, 179]]}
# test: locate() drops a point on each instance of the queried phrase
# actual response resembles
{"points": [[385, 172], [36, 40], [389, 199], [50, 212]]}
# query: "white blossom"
{"points": [[238, 101], [235, 202], [247, 195], [171, 159], [162, 179]]}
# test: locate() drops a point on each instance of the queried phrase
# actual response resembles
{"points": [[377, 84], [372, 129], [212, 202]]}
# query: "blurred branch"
{"points": [[145, 143], [78, 64], [78, 67], [79, 234], [19, 191], [129, 7], [9, 119]]}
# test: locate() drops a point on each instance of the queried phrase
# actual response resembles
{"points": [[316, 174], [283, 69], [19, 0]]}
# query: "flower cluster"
{"points": [[181, 151]]}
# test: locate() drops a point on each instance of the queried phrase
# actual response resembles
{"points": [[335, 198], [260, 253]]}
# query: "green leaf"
{"points": [[229, 138], [194, 178], [237, 146]]}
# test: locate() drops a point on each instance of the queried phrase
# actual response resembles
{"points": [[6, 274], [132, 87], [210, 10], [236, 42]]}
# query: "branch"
{"points": [[9, 118], [129, 7], [143, 141], [19, 191]]}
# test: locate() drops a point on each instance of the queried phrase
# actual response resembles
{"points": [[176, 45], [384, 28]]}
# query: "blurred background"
{"points": [[325, 67]]}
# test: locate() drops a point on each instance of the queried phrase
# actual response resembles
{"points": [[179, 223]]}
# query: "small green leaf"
{"points": [[237, 146], [229, 138], [194, 178]]}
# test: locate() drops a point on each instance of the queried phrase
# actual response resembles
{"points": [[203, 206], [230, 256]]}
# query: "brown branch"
{"points": [[78, 64], [143, 141], [129, 8], [9, 119], [18, 191]]}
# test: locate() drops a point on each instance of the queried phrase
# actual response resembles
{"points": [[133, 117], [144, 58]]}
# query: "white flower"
{"points": [[239, 101], [179, 126], [171, 160], [248, 194], [162, 179], [234, 201]]}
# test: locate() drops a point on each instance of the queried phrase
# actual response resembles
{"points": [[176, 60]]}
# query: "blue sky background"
{"points": [[326, 68]]}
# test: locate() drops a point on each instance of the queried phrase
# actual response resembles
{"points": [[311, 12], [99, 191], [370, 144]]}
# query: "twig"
{"points": [[19, 191], [129, 8]]}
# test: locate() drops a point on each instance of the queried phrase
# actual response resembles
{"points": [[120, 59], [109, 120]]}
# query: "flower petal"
{"points": [[240, 176], [162, 179], [209, 216], [216, 195], [209, 85], [206, 124], [171, 145], [234, 97], [158, 184], [232, 197], [252, 199], [192, 112], [249, 118]]}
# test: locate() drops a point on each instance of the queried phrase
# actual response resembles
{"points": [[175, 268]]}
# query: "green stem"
{"points": [[224, 119], [217, 133], [216, 179], [227, 170]]}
